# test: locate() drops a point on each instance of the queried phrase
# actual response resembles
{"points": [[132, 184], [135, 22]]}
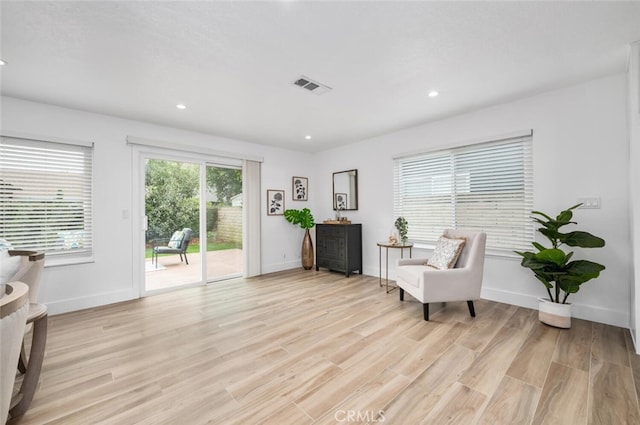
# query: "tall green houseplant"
{"points": [[552, 265], [304, 218]]}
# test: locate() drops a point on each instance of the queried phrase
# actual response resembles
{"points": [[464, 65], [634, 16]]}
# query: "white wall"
{"points": [[282, 241], [580, 150], [110, 278], [634, 193]]}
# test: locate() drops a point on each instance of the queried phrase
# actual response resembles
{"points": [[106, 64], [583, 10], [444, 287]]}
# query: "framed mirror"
{"points": [[345, 190]]}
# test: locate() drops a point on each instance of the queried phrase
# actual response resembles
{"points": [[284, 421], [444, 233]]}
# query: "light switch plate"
{"points": [[589, 203]]}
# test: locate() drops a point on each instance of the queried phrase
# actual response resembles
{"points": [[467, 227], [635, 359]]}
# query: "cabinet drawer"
{"points": [[322, 262], [337, 231], [339, 265]]}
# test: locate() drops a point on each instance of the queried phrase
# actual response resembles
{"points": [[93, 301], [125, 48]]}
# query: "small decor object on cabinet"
{"points": [[275, 202], [402, 226], [341, 201], [552, 267], [300, 188]]}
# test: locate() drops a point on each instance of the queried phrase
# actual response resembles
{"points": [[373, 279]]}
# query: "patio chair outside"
{"points": [[178, 244]]}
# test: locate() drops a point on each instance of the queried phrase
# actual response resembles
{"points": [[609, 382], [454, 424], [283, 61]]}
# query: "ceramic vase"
{"points": [[307, 251]]}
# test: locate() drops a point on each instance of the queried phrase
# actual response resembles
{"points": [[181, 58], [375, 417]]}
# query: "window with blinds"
{"points": [[46, 197], [486, 187]]}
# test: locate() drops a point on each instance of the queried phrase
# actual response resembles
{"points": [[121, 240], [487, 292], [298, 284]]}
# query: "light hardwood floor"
{"points": [[302, 347]]}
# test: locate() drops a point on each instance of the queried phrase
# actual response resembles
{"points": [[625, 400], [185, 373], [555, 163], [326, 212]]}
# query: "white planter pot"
{"points": [[554, 314]]}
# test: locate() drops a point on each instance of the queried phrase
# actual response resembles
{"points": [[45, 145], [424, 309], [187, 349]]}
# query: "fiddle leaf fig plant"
{"points": [[302, 217], [552, 265]]}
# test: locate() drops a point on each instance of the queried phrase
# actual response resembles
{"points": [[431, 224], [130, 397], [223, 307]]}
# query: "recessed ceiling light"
{"points": [[433, 93], [2, 62], [307, 137], [181, 106]]}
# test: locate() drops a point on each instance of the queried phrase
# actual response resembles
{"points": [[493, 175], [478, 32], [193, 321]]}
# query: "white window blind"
{"points": [[46, 197], [485, 187]]}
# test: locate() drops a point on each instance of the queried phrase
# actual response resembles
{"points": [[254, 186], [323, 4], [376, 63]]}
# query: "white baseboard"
{"points": [[579, 311], [81, 303], [278, 267]]}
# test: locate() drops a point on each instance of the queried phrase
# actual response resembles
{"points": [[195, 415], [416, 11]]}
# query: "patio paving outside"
{"points": [[172, 272]]}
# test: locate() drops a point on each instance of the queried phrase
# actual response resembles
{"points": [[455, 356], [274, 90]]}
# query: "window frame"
{"points": [[65, 256], [424, 167]]}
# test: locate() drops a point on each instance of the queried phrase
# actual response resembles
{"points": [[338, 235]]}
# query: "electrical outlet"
{"points": [[589, 203]]}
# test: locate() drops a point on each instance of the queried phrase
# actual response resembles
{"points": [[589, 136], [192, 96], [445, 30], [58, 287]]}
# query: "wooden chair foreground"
{"points": [[14, 308], [30, 272]]}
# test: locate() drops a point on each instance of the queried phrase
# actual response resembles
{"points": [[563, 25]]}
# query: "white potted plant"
{"points": [[554, 268]]}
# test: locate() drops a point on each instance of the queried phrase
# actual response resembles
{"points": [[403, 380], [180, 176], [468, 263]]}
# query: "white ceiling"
{"points": [[233, 63]]}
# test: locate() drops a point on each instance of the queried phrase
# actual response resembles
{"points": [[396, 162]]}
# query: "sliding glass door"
{"points": [[193, 222]]}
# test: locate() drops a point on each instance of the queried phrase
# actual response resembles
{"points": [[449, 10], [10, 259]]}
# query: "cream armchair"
{"points": [[461, 283]]}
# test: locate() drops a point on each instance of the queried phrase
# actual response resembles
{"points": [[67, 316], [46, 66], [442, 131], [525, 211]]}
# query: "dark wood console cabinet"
{"points": [[339, 247]]}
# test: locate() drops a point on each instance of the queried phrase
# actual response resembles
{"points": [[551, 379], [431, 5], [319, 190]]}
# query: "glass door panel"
{"points": [[223, 222], [172, 209]]}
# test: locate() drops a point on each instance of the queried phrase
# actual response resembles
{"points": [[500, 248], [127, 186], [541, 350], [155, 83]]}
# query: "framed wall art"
{"points": [[275, 202], [341, 201], [300, 188]]}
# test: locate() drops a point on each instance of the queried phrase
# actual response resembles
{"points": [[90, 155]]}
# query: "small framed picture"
{"points": [[275, 202], [341, 201], [300, 188]]}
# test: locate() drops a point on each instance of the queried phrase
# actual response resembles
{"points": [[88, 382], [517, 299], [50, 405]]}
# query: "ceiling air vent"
{"points": [[313, 86]]}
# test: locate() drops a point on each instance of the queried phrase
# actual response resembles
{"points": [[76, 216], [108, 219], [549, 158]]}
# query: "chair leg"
{"points": [[22, 360], [401, 292], [186, 259], [425, 309], [472, 310], [32, 375]]}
